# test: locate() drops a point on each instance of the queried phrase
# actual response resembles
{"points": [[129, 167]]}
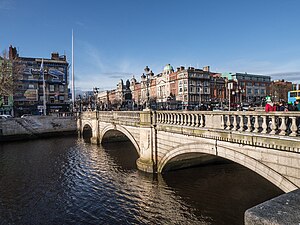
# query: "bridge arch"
{"points": [[124, 131], [230, 154]]}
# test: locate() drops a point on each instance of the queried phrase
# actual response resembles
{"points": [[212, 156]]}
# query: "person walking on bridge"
{"points": [[270, 107]]}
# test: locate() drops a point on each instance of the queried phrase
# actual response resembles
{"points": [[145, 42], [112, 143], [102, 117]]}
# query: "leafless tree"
{"points": [[10, 72]]}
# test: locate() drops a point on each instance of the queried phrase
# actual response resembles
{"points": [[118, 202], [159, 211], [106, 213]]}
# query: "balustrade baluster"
{"points": [[282, 127], [188, 119], [184, 120], [202, 120], [294, 127], [264, 124], [181, 119], [175, 118], [273, 125], [171, 118], [197, 121], [241, 123], [249, 124], [159, 118], [228, 122], [193, 120], [234, 123], [162, 118], [256, 125]]}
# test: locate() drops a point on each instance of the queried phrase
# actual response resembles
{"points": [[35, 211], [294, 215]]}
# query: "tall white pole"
{"points": [[73, 81], [44, 89]]}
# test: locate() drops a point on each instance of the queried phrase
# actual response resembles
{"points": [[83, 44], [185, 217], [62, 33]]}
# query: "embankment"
{"points": [[33, 127]]}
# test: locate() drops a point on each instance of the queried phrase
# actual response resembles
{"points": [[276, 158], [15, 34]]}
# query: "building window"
{"points": [[5, 100], [256, 91], [262, 92], [51, 87], [249, 91], [61, 88]]}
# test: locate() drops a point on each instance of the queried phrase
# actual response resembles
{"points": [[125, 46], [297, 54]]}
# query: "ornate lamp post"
{"points": [[96, 91], [148, 74]]}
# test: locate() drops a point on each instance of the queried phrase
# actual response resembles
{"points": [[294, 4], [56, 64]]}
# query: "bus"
{"points": [[293, 96]]}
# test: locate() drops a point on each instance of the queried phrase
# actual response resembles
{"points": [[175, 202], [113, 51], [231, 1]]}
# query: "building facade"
{"points": [[279, 90], [29, 95], [246, 87]]}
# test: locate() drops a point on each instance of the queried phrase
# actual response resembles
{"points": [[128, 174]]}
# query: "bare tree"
{"points": [[10, 72]]}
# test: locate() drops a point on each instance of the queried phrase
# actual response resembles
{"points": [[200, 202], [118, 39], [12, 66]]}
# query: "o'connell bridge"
{"points": [[266, 143]]}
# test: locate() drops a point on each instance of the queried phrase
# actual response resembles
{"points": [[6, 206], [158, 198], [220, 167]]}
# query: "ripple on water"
{"points": [[66, 181]]}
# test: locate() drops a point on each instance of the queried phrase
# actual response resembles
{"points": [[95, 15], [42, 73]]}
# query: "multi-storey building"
{"points": [[193, 86], [279, 90], [181, 89], [30, 90], [217, 88], [248, 87]]}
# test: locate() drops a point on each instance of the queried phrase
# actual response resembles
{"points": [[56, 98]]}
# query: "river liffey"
{"points": [[68, 181]]}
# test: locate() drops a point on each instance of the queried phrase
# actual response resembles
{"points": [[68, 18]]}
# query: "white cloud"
{"points": [[96, 70], [287, 70]]}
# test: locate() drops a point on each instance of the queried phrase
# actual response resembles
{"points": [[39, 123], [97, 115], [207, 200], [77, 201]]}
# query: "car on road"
{"points": [[25, 115], [5, 116]]}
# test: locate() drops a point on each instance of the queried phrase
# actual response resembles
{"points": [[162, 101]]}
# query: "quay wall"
{"points": [[35, 127], [282, 210]]}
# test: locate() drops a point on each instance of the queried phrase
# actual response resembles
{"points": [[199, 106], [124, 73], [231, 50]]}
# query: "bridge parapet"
{"points": [[120, 117], [275, 123], [278, 130]]}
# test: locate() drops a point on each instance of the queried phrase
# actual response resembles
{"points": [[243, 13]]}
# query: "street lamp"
{"points": [[96, 91], [230, 87], [148, 75]]}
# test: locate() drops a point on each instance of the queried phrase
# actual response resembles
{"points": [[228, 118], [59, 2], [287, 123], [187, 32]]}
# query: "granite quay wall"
{"points": [[282, 210], [37, 126]]}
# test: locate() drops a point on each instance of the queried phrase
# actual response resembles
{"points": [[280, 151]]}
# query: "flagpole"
{"points": [[73, 82], [44, 89]]}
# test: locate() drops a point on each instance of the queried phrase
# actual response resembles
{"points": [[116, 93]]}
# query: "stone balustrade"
{"points": [[276, 123]]}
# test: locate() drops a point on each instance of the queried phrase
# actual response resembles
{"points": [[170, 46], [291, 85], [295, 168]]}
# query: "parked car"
{"points": [[5, 116], [25, 115], [245, 107]]}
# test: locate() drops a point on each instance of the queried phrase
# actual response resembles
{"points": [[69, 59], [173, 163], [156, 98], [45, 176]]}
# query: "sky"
{"points": [[116, 39]]}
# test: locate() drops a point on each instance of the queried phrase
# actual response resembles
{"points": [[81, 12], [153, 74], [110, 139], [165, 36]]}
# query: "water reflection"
{"points": [[67, 181]]}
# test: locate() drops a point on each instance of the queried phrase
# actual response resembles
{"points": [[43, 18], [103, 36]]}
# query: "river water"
{"points": [[68, 181]]}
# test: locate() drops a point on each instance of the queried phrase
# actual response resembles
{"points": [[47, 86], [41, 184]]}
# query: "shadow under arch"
{"points": [[112, 133], [87, 133], [208, 150]]}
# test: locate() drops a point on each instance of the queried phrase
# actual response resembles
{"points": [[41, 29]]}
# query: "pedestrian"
{"points": [[270, 107], [281, 107], [297, 105]]}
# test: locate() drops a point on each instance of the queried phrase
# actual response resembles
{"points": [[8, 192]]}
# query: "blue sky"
{"points": [[116, 39]]}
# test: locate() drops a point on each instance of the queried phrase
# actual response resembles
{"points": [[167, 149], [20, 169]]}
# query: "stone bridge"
{"points": [[267, 143]]}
